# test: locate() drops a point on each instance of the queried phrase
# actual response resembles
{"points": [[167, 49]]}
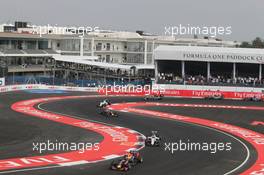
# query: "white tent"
{"points": [[89, 60]]}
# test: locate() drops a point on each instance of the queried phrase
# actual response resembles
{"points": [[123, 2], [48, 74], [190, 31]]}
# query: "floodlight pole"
{"points": [[183, 69], [234, 73], [208, 71], [260, 73]]}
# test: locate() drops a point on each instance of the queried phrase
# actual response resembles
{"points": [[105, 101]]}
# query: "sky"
{"points": [[246, 17]]}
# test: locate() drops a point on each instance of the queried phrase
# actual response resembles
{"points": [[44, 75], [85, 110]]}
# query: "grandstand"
{"points": [[209, 66], [103, 55]]}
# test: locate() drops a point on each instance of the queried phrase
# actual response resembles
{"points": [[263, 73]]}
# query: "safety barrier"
{"points": [[41, 86], [191, 93], [168, 92]]}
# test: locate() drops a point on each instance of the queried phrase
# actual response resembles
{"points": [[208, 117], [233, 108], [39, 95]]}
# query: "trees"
{"points": [[256, 43], [245, 44]]}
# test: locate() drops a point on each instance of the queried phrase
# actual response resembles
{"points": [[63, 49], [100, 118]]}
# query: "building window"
{"points": [[107, 58], [99, 46], [108, 46]]}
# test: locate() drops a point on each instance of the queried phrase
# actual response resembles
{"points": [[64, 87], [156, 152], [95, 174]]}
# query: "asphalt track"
{"points": [[18, 131]]}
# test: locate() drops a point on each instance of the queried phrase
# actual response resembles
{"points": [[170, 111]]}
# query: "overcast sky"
{"points": [[246, 17]]}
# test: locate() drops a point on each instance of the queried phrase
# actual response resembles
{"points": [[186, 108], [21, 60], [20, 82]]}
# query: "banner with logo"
{"points": [[187, 93]]}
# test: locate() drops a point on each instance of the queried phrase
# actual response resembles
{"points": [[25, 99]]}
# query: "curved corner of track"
{"points": [[125, 133]]}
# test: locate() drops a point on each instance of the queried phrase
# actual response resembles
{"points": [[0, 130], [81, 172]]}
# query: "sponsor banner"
{"points": [[2, 81], [192, 93], [43, 87], [167, 92], [254, 138], [206, 93], [45, 91]]}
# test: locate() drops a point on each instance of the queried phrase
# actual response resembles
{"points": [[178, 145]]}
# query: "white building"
{"points": [[19, 46]]}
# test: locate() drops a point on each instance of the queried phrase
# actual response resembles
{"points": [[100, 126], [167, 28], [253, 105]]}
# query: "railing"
{"points": [[181, 82], [18, 80]]}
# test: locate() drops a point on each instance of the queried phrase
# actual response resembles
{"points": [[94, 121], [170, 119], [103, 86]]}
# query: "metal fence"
{"points": [[16, 80]]}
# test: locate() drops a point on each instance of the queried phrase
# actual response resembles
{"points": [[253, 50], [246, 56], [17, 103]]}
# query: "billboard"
{"points": [[2, 81]]}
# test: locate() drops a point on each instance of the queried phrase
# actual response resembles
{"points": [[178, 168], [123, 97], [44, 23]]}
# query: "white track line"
{"points": [[217, 130], [237, 139], [30, 169], [111, 156], [73, 163]]}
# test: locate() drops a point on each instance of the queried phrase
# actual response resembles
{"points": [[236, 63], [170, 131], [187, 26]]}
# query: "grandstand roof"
{"points": [[66, 58], [89, 60]]}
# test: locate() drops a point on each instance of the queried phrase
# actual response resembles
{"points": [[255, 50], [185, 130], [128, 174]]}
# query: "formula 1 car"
{"points": [[254, 98], [214, 97], [134, 158], [153, 97], [108, 113], [104, 103], [153, 140], [120, 165]]}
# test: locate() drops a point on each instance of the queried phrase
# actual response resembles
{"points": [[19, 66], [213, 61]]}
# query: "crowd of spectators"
{"points": [[171, 78]]}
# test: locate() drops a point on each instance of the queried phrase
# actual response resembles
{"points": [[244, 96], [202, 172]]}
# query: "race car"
{"points": [[108, 113], [217, 96], [120, 165], [254, 98], [104, 103], [133, 157], [153, 139], [153, 97]]}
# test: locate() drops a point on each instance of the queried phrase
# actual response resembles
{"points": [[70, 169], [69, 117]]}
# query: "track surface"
{"points": [[19, 131]]}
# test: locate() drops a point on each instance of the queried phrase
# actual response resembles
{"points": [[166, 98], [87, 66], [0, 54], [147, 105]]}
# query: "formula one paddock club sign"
{"points": [[2, 81], [210, 54], [224, 57]]}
